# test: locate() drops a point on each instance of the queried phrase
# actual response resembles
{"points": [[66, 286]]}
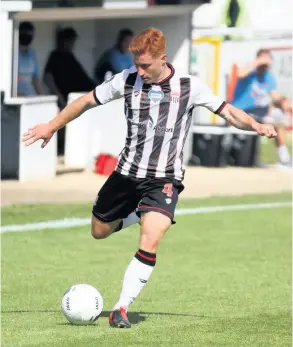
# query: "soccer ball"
{"points": [[82, 304]]}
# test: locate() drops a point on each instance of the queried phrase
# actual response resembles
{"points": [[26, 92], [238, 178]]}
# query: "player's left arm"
{"points": [[242, 120], [203, 96]]}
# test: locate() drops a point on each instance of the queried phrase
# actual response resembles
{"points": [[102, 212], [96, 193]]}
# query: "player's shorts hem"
{"points": [[156, 209], [103, 219]]}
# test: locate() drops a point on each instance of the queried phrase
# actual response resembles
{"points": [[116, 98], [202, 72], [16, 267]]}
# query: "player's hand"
{"points": [[39, 132], [267, 130]]}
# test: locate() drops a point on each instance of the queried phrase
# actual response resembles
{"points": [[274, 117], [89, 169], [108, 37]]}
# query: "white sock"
{"points": [[129, 220], [284, 155], [136, 276]]}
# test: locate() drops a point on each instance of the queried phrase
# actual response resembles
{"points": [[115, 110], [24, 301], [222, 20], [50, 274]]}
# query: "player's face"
{"points": [[149, 68]]}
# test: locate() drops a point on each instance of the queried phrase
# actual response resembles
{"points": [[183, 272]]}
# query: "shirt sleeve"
{"points": [[112, 88], [203, 96]]}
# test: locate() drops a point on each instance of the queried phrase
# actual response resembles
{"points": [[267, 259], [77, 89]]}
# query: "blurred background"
{"points": [[53, 51]]}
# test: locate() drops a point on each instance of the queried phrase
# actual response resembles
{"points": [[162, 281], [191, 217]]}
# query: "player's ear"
{"points": [[164, 59]]}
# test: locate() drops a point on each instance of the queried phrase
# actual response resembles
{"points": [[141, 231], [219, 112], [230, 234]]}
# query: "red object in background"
{"points": [[105, 164], [232, 82]]}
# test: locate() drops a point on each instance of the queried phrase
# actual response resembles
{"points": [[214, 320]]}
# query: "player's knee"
{"points": [[99, 229], [98, 233], [154, 226]]}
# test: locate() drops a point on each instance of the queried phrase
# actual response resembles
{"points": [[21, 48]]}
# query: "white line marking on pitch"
{"points": [[75, 222]]}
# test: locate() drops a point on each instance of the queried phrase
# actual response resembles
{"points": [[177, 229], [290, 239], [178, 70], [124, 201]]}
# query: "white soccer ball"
{"points": [[82, 304]]}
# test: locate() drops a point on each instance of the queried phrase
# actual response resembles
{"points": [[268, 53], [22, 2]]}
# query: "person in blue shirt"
{"points": [[256, 93], [115, 59], [28, 70]]}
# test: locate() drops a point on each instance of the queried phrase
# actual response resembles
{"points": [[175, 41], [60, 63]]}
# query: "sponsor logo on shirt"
{"points": [[163, 129]]}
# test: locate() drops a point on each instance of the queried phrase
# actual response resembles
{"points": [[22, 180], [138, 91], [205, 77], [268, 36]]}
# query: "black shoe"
{"points": [[118, 319]]}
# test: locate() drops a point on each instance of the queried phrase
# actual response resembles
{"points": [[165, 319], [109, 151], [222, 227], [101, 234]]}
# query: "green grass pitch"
{"points": [[221, 279]]}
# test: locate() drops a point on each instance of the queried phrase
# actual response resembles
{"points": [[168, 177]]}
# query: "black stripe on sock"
{"points": [[146, 257]]}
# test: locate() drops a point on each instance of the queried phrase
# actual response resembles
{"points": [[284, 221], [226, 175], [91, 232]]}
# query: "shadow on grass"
{"points": [[134, 317]]}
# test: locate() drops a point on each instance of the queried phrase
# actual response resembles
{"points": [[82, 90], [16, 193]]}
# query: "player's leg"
{"points": [[101, 229], [131, 219], [157, 209], [153, 227], [115, 202]]}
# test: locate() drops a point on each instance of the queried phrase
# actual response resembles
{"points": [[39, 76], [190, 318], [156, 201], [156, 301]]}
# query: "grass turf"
{"points": [[32, 213], [221, 279]]}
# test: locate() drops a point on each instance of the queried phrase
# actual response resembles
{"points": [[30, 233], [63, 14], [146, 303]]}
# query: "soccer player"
{"points": [[148, 178]]}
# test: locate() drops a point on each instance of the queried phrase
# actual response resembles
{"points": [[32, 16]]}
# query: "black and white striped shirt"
{"points": [[158, 120]]}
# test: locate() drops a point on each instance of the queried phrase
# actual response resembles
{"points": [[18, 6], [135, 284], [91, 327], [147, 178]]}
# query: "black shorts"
{"points": [[121, 195]]}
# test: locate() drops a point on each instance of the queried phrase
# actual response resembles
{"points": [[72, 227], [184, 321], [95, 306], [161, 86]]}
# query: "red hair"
{"points": [[150, 41]]}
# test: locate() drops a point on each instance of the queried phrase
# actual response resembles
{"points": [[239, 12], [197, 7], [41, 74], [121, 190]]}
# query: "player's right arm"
{"points": [[45, 131], [108, 91]]}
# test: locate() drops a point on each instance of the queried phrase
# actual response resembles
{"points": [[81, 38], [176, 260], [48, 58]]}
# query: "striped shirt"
{"points": [[158, 120]]}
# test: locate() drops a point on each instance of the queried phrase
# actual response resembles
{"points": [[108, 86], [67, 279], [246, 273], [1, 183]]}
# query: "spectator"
{"points": [[115, 59], [28, 69], [64, 74], [256, 93]]}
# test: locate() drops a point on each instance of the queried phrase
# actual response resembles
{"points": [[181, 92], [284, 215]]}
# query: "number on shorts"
{"points": [[168, 189]]}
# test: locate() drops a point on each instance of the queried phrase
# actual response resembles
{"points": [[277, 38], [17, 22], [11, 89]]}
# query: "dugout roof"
{"points": [[91, 13]]}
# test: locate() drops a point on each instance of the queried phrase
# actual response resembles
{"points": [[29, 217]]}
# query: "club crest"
{"points": [[155, 95]]}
